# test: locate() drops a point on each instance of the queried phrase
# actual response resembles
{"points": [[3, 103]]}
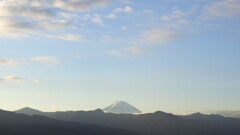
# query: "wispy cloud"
{"points": [[46, 60], [17, 80], [12, 79], [222, 8], [30, 17], [67, 37], [127, 9], [97, 20], [80, 5], [175, 14], [14, 28], [36, 81], [158, 36], [171, 26], [116, 53], [134, 50], [9, 62], [126, 52], [14, 62], [24, 11]]}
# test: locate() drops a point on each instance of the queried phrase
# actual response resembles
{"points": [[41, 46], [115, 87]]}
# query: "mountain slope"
{"points": [[122, 107], [29, 111], [20, 124]]}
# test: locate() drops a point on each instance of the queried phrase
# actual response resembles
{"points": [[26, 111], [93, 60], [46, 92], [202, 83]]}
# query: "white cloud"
{"points": [[118, 10], [46, 60], [67, 37], [11, 62], [126, 52], [222, 8], [36, 81], [158, 36], [80, 5], [112, 16], [176, 14], [117, 53], [68, 16], [56, 25], [97, 20], [14, 28], [127, 9]]}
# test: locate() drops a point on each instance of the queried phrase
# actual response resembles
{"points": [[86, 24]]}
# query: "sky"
{"points": [[178, 56]]}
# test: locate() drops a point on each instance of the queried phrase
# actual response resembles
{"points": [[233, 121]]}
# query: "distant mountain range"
{"points": [[21, 124], [158, 123], [228, 113]]}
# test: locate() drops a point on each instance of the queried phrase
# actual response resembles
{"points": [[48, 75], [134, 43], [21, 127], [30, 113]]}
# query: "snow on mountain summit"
{"points": [[121, 107]]}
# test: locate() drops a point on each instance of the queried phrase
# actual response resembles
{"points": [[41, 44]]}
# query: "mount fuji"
{"points": [[122, 107]]}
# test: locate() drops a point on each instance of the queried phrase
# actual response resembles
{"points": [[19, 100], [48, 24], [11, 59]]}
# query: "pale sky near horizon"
{"points": [[178, 56]]}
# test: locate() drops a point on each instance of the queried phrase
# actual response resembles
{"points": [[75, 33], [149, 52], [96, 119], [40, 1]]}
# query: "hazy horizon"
{"points": [[227, 113], [176, 56]]}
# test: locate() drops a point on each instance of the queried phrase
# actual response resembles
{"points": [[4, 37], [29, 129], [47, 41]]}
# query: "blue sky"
{"points": [[177, 56]]}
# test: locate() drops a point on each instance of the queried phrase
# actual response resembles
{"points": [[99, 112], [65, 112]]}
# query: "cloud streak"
{"points": [[80, 5], [46, 60], [67, 37], [11, 62], [12, 79], [158, 36], [16, 80], [126, 52]]}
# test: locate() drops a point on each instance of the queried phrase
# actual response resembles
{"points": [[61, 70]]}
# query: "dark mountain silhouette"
{"points": [[158, 123], [205, 117], [228, 113], [21, 124], [215, 121]]}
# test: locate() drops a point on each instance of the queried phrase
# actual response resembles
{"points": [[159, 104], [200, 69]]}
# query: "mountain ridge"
{"points": [[21, 124], [158, 123]]}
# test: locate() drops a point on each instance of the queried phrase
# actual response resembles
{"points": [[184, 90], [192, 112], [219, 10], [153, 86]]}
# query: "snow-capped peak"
{"points": [[122, 107]]}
